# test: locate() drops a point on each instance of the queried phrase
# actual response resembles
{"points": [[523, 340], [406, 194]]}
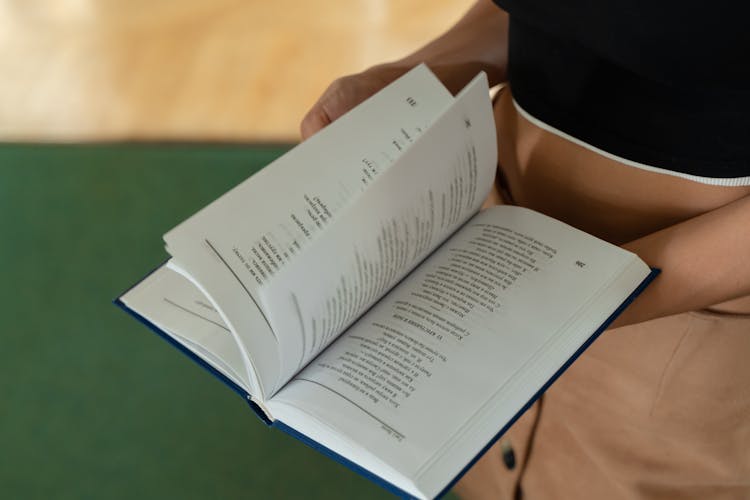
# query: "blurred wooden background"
{"points": [[244, 70]]}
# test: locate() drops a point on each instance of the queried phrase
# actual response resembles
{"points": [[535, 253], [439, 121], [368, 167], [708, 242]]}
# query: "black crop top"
{"points": [[662, 85]]}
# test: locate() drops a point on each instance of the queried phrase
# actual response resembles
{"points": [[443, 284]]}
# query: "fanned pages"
{"points": [[239, 242]]}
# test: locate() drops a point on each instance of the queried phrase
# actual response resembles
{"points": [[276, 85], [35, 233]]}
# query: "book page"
{"points": [[236, 244], [498, 308], [432, 190], [178, 308]]}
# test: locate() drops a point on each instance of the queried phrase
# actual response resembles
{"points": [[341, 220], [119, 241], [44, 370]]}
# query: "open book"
{"points": [[353, 293]]}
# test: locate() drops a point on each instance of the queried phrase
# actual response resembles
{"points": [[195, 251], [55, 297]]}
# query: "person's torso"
{"points": [[599, 195], [623, 118]]}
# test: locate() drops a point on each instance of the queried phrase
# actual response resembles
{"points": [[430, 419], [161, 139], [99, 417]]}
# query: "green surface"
{"points": [[93, 404]]}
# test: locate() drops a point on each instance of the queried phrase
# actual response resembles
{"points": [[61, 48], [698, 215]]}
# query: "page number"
{"points": [[412, 102], [580, 264]]}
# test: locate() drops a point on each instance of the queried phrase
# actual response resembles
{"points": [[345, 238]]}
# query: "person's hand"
{"points": [[345, 93]]}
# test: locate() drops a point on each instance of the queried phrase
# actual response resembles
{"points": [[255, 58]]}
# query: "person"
{"points": [[629, 121]]}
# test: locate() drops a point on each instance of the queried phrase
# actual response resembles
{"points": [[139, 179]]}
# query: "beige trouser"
{"points": [[658, 410]]}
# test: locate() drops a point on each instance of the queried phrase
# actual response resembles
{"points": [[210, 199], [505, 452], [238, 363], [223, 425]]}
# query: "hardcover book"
{"points": [[355, 295]]}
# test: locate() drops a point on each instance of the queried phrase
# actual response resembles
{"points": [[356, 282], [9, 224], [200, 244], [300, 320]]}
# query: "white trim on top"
{"points": [[714, 181]]}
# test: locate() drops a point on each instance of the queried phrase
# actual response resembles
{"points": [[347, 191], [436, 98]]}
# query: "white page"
{"points": [[232, 246], [434, 187], [173, 304], [517, 392], [422, 367]]}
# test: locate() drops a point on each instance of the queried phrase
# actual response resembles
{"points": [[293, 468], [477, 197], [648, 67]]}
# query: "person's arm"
{"points": [[704, 261], [477, 42]]}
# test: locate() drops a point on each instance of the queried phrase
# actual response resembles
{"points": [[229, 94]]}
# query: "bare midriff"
{"points": [[599, 195]]}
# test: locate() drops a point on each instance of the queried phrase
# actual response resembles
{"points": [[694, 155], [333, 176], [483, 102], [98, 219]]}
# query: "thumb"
{"points": [[313, 121]]}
